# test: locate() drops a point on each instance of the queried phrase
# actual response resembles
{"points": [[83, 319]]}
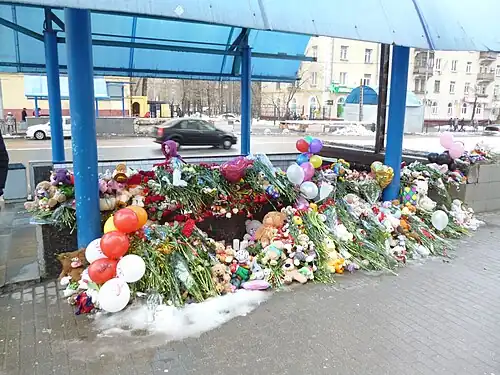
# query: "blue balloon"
{"points": [[302, 158]]}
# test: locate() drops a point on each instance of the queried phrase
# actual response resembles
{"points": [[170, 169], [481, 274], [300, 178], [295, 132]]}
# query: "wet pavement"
{"points": [[18, 246], [439, 317]]}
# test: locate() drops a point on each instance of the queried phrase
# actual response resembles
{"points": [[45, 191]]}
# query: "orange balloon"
{"points": [[141, 213], [126, 220]]}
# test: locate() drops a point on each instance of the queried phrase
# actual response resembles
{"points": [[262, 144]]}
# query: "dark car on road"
{"points": [[194, 132]]}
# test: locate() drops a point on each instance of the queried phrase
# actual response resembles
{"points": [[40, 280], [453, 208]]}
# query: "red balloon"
{"points": [[126, 220], [102, 270], [114, 244], [302, 145]]}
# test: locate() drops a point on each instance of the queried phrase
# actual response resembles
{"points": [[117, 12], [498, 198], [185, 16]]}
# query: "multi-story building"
{"points": [[323, 85], [450, 84], [456, 84]]}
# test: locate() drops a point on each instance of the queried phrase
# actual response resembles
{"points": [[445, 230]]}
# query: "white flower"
{"points": [[228, 215], [235, 211], [223, 211]]}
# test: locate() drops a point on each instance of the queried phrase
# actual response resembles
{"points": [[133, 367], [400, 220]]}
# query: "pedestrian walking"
{"points": [[11, 123], [455, 124], [4, 164], [462, 124]]}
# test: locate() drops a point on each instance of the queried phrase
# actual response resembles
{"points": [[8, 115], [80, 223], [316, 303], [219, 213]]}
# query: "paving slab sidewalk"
{"points": [[440, 317]]}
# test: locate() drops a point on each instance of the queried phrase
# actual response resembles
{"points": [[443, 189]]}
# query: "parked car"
{"points": [[42, 131], [493, 129], [230, 117], [194, 132]]}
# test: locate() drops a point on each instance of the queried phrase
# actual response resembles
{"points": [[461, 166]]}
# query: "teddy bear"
{"points": [[137, 195], [224, 254], [273, 252], [60, 177], [57, 197], [122, 197], [44, 190], [221, 278], [292, 274], [249, 237], [73, 264], [272, 222]]}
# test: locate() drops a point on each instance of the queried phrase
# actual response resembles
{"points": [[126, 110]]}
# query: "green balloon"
{"points": [[308, 139]]}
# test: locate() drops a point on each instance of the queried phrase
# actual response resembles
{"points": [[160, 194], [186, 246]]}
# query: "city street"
{"points": [[121, 148]]}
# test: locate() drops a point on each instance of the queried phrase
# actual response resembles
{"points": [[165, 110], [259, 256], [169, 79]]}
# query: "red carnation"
{"points": [[188, 228]]}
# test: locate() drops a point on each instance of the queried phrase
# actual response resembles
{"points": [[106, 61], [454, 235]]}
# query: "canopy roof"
{"points": [[370, 97], [430, 24], [133, 46], [36, 87]]}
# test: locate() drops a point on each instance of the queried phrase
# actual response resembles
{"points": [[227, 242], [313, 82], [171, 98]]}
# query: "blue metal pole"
{"points": [[37, 114], [395, 124], [97, 108], [246, 96], [54, 89], [83, 128], [123, 101]]}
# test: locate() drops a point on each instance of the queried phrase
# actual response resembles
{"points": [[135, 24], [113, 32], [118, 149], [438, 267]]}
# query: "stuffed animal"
{"points": [[292, 274], [60, 177], [273, 252], [269, 229], [107, 203], [221, 278], [120, 173], [73, 265], [224, 254], [58, 197], [122, 197], [137, 195]]}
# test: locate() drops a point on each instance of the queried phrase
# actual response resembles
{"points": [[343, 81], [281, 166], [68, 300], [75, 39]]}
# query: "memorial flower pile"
{"points": [[305, 224]]}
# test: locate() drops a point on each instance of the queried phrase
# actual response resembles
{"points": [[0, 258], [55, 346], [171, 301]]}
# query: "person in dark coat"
{"points": [[4, 164]]}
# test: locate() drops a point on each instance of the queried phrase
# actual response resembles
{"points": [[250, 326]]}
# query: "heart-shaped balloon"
{"points": [[325, 190], [234, 170]]}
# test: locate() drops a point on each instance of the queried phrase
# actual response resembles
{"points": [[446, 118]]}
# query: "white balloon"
{"points": [[309, 190], [93, 251], [295, 174], [131, 268], [114, 295], [325, 190], [439, 220]]}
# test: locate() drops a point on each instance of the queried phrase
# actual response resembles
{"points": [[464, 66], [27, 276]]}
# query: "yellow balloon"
{"points": [[316, 161], [109, 226]]}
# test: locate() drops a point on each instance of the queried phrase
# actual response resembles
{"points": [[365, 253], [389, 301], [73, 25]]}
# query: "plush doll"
{"points": [[60, 177], [249, 237], [271, 223], [292, 274], [73, 265], [120, 173], [221, 278], [273, 253], [57, 197]]}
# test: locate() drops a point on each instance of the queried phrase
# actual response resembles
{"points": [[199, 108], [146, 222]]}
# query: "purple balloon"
{"points": [[315, 146], [308, 170]]}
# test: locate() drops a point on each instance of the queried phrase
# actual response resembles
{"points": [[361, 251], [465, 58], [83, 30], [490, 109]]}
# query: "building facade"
{"points": [[450, 84]]}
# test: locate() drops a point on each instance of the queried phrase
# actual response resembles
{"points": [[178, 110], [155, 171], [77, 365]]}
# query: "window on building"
{"points": [[434, 108], [478, 108], [452, 87], [464, 109], [366, 79], [450, 109], [483, 69], [466, 88], [496, 91], [497, 71], [437, 86], [343, 52], [438, 64], [314, 51], [417, 85], [293, 106], [468, 68], [314, 78], [454, 64], [368, 56], [278, 86], [481, 89], [343, 78]]}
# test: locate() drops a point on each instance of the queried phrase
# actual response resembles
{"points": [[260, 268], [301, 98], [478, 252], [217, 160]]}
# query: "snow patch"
{"points": [[353, 130]]}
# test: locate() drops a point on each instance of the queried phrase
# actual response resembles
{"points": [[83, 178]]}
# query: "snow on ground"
{"points": [[359, 130]]}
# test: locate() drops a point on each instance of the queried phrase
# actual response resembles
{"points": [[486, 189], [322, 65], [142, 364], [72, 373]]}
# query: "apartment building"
{"points": [[324, 84], [456, 84], [450, 84]]}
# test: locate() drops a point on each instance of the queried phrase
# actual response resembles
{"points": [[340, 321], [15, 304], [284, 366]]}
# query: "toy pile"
{"points": [[318, 220]]}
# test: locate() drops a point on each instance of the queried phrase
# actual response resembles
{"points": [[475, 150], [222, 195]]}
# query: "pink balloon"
{"points": [[456, 150], [301, 204], [446, 140], [308, 170]]}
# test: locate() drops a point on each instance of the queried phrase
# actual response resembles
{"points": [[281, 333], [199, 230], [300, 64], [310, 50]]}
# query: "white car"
{"points": [[230, 117], [42, 131]]}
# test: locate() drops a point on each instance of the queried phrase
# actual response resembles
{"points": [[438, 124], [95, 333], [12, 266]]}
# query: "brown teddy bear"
{"points": [[269, 229], [73, 264], [221, 279]]}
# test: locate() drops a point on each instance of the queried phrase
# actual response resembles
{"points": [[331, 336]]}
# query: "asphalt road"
{"points": [[23, 150]]}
